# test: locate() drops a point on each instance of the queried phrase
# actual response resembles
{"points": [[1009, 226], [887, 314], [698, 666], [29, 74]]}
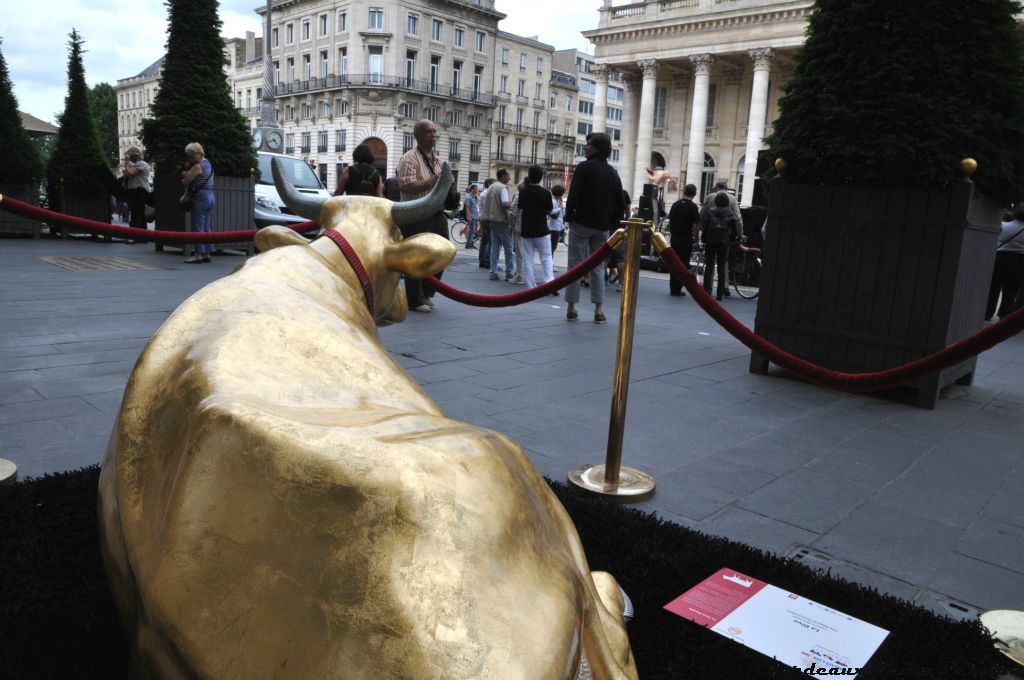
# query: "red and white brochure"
{"points": [[798, 632]]}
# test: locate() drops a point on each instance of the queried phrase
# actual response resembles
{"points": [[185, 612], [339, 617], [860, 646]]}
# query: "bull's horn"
{"points": [[421, 208], [297, 202]]}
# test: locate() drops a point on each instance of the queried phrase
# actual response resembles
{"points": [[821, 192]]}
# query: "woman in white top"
{"points": [[556, 218], [1008, 272]]}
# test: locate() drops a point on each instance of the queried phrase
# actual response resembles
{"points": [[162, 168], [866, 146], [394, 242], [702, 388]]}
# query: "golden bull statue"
{"points": [[280, 500]]}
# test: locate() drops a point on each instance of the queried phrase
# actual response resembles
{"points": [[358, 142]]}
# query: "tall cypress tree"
{"points": [[21, 165], [896, 93], [194, 101], [77, 161]]}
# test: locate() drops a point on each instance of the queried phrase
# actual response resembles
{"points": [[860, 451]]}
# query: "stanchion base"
{"points": [[8, 472], [633, 486]]}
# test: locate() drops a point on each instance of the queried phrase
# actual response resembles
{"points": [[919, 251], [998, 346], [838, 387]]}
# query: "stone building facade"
{"points": [[703, 78]]}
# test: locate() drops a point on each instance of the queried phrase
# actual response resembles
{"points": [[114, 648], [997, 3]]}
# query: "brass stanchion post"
{"points": [[612, 480]]}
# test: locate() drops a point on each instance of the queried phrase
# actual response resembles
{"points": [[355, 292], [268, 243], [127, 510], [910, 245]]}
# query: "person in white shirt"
{"points": [[1008, 272], [556, 218]]}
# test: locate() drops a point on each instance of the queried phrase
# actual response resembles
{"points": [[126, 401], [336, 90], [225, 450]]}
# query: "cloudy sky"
{"points": [[122, 37]]}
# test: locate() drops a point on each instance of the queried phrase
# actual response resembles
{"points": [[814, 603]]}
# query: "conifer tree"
{"points": [[77, 162], [194, 101], [21, 165], [896, 93]]}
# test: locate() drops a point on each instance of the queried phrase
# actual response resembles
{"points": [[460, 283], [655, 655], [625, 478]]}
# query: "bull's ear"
{"points": [[276, 236], [419, 256]]}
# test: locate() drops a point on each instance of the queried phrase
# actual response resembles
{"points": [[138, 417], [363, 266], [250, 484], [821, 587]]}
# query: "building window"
{"points": [[342, 21], [478, 79], [584, 128], [325, 111], [410, 109], [540, 65], [456, 76], [504, 84], [615, 134], [537, 92], [554, 100], [568, 103], [408, 142], [435, 72], [536, 121], [342, 143], [430, 113], [587, 86], [614, 114], [435, 30], [342, 61], [455, 117], [321, 145], [615, 94], [501, 148], [480, 41], [712, 100], [274, 37], [289, 143], [289, 34], [307, 67], [453, 149], [519, 120], [522, 61], [579, 150], [376, 19], [504, 56], [615, 155], [475, 120], [291, 69], [661, 103], [522, 88], [458, 36], [323, 64], [474, 152], [305, 29], [323, 24], [410, 67], [501, 115], [306, 136], [412, 25], [307, 112], [376, 63], [587, 108], [519, 150]]}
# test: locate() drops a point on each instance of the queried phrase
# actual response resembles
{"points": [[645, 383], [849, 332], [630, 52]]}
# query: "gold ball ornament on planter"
{"points": [[969, 166], [780, 165]]}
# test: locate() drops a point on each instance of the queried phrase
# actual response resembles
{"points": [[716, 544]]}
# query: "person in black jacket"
{"points": [[683, 227], [718, 228], [535, 204], [594, 206]]}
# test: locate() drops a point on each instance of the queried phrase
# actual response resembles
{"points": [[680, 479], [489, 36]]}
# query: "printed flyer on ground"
{"points": [[798, 632]]}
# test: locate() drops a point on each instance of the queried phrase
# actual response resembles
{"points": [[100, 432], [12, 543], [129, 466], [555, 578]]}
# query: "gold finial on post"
{"points": [[612, 480], [780, 165], [969, 166]]}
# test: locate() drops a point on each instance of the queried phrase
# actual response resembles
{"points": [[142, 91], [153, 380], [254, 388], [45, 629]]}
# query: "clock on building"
{"points": [[257, 138], [274, 140]]}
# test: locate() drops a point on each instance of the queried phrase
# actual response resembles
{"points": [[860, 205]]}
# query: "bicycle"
{"points": [[457, 227], [745, 270]]}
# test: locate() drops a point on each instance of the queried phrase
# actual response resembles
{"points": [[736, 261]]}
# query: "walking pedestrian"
{"points": [[723, 185], [719, 229], [472, 209], [683, 227], [495, 213], [593, 207], [534, 205], [556, 217]]}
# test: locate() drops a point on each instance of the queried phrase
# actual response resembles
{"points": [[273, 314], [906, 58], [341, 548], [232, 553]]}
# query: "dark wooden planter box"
{"points": [[16, 224], [95, 207], [863, 279], [235, 207]]}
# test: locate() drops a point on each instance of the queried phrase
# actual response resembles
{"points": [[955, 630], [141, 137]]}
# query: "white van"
{"points": [[270, 209]]}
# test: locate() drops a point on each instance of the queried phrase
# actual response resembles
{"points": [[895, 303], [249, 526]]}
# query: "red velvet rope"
{"points": [[853, 382], [134, 233], [528, 295]]}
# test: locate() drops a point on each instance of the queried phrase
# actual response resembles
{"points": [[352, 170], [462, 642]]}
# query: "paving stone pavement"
{"points": [[926, 505]]}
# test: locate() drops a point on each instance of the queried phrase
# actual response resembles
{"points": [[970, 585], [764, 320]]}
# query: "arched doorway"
{"points": [[707, 176], [380, 154]]}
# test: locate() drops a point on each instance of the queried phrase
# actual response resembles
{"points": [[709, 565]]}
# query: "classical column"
{"points": [[627, 152], [645, 125], [755, 122], [600, 73], [699, 118]]}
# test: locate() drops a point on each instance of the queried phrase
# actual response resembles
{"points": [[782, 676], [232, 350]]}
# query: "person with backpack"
{"points": [[361, 178], [718, 227]]}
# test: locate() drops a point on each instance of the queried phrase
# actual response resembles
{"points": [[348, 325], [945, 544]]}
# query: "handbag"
{"points": [[186, 199]]}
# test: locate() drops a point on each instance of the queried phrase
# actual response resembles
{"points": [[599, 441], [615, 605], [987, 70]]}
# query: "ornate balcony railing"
{"points": [[378, 80]]}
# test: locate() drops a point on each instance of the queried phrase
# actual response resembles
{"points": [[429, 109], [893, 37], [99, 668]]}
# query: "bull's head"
{"points": [[372, 226]]}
